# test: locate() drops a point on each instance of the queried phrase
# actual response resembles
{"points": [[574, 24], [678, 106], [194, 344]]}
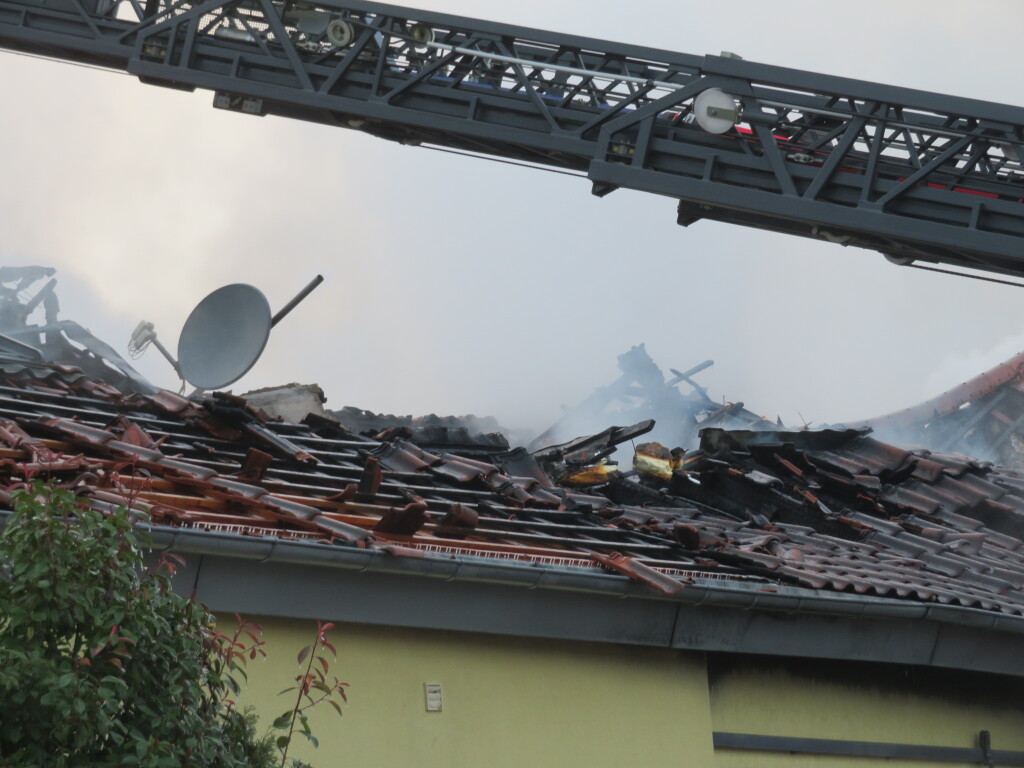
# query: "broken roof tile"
{"points": [[829, 510]]}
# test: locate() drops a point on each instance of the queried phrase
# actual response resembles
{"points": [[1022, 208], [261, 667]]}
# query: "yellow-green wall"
{"points": [[508, 702], [525, 703]]}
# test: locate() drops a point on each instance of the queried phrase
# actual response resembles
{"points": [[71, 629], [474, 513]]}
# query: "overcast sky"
{"points": [[456, 285]]}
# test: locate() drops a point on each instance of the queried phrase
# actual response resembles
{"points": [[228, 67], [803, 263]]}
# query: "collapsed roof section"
{"points": [[830, 511], [642, 391], [982, 417], [52, 340]]}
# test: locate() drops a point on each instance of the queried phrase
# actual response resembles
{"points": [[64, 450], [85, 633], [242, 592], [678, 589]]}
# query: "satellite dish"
{"points": [[224, 336], [715, 110]]}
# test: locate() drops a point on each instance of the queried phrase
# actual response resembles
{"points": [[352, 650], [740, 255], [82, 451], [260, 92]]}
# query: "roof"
{"points": [[832, 510]]}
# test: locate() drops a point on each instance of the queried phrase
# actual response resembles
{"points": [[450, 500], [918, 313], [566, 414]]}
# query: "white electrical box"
{"points": [[433, 696]]}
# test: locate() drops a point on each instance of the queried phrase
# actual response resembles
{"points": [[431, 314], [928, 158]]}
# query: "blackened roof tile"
{"points": [[832, 510]]}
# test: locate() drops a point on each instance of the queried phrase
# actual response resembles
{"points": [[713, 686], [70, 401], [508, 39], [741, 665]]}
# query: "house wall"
{"points": [[524, 702], [507, 701]]}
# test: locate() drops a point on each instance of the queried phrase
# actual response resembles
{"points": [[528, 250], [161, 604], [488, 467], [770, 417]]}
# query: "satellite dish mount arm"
{"points": [[295, 301], [144, 335], [170, 359]]}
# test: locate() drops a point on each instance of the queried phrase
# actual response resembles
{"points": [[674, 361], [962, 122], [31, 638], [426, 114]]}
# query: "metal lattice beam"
{"points": [[915, 175]]}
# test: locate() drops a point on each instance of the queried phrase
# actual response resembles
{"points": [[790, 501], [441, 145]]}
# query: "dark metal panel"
{"points": [[902, 641], [719, 629], [304, 592], [870, 749], [953, 648]]}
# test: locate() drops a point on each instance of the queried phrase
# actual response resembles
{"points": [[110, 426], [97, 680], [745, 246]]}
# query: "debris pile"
{"points": [[51, 339], [832, 510], [642, 392]]}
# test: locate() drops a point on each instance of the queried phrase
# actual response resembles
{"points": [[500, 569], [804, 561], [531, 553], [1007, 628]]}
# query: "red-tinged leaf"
{"points": [[252, 654], [337, 707], [330, 647], [117, 663], [304, 653], [328, 626], [323, 663], [344, 696], [85, 662]]}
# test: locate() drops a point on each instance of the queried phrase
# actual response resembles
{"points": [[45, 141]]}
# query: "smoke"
{"points": [[460, 286], [962, 364]]}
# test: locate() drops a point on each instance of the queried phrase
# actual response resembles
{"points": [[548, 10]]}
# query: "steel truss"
{"points": [[915, 175]]}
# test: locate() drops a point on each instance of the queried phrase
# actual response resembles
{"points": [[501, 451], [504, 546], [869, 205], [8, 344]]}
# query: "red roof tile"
{"points": [[830, 510]]}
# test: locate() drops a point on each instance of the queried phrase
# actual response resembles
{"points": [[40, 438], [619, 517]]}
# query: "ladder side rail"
{"points": [[862, 90]]}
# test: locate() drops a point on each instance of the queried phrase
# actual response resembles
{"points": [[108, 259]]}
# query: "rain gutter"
{"points": [[744, 596]]}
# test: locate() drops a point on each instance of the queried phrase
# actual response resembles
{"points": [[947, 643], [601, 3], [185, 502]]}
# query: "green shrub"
{"points": [[101, 663]]}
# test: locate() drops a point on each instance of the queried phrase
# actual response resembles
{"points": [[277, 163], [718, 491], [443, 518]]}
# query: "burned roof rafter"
{"points": [[642, 392]]}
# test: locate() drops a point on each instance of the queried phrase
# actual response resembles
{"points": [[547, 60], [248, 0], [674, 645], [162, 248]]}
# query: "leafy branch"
{"points": [[313, 687]]}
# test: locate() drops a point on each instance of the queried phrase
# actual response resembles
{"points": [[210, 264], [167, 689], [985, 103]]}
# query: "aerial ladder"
{"points": [[920, 177]]}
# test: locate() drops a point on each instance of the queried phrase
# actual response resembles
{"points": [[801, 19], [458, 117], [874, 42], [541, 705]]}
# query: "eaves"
{"points": [[291, 579]]}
